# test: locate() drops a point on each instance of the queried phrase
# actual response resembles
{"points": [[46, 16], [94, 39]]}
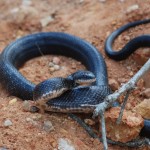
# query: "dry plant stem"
{"points": [[100, 108], [126, 87], [103, 131], [84, 125], [123, 107]]}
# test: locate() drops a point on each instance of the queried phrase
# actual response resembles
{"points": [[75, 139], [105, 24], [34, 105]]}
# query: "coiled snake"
{"points": [[79, 99]]}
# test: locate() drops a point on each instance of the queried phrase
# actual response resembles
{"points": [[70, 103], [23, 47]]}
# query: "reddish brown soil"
{"points": [[90, 20]]}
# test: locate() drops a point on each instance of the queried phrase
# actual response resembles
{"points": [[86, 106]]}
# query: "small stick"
{"points": [[84, 125], [100, 108], [123, 107], [126, 87], [103, 131]]}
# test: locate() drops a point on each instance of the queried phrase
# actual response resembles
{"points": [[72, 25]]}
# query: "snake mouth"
{"points": [[85, 81]]}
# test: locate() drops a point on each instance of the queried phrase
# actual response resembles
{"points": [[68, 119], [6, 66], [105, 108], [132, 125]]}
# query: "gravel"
{"points": [[47, 126], [7, 123]]}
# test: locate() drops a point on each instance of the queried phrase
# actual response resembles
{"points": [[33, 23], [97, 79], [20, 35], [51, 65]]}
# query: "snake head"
{"points": [[83, 77]]}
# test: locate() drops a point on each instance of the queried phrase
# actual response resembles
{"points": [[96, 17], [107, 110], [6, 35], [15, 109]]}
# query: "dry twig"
{"points": [[130, 85], [123, 107], [135, 143]]}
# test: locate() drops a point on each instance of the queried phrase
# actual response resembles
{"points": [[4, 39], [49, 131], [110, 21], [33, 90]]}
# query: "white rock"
{"points": [[7, 123], [26, 105], [132, 8], [48, 126], [45, 21], [64, 144], [13, 101], [56, 67]]}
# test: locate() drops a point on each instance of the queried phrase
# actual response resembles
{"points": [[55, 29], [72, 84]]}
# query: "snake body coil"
{"points": [[79, 99]]}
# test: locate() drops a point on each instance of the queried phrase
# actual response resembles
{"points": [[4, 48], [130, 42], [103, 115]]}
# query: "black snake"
{"points": [[129, 48], [79, 99]]}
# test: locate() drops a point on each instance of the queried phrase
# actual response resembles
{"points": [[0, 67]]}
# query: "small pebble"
{"points": [[51, 64], [89, 122], [54, 144], [131, 73], [7, 123], [14, 100], [45, 21], [113, 84], [132, 8], [146, 93], [30, 120], [48, 126], [56, 60], [129, 68], [26, 106], [51, 69], [56, 67], [127, 38], [73, 66], [64, 144], [140, 84], [37, 117]]}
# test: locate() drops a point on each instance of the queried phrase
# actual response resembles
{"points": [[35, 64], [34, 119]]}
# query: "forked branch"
{"points": [[130, 85]]}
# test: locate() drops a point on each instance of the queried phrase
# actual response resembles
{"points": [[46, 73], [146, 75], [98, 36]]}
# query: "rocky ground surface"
{"points": [[92, 21]]}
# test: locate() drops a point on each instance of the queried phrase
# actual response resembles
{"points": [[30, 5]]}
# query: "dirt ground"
{"points": [[90, 20]]}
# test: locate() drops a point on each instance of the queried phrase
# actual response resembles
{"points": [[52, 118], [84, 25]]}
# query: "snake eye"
{"points": [[84, 77]]}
